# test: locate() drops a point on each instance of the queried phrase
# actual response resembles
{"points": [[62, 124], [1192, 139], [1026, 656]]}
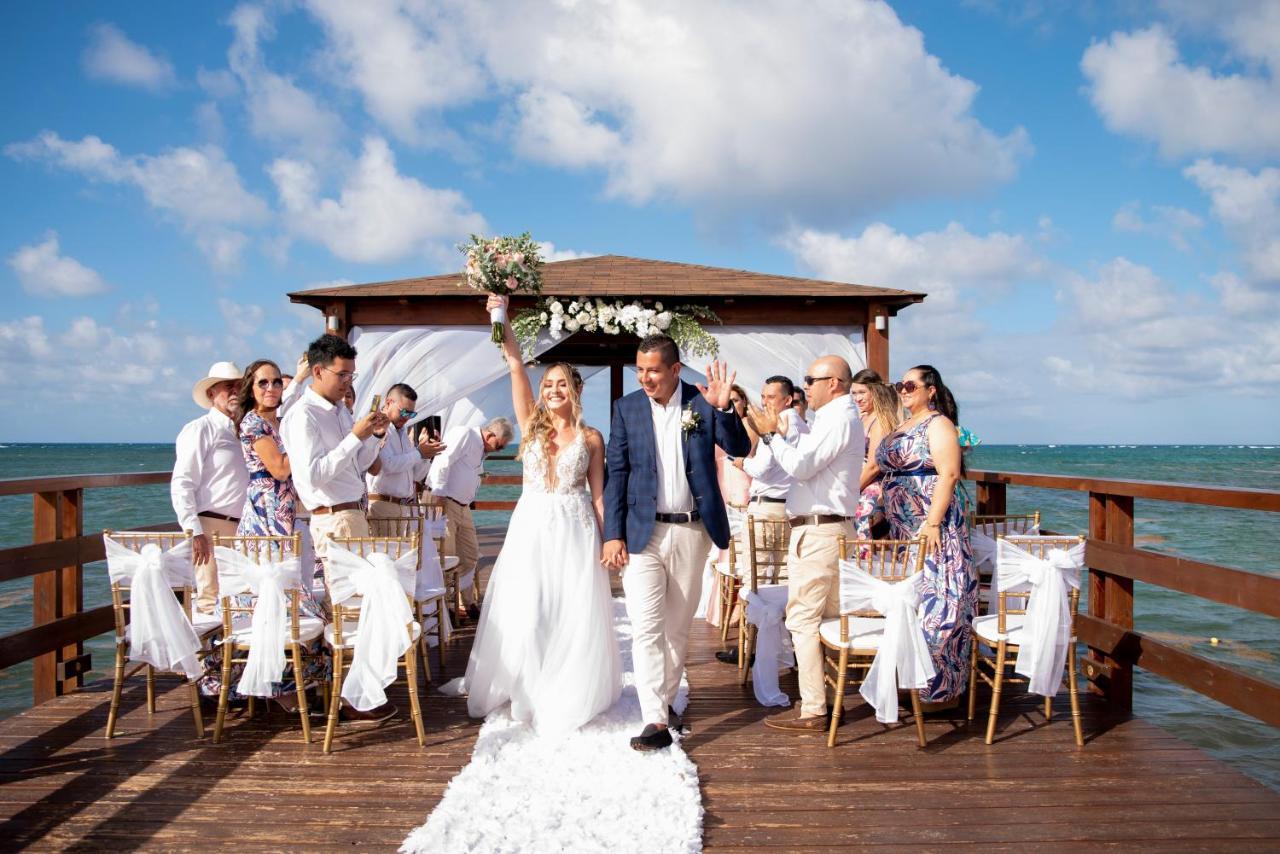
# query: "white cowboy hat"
{"points": [[219, 373]]}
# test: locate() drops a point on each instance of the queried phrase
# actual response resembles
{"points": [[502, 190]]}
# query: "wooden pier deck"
{"points": [[64, 787]]}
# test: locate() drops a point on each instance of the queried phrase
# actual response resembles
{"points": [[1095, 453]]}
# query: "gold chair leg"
{"points": [[411, 676], [253, 706], [723, 599], [335, 700], [744, 657], [223, 693], [301, 687], [919, 716], [1048, 709], [151, 690], [973, 680], [194, 688], [995, 692], [116, 689], [837, 702], [1075, 698]]}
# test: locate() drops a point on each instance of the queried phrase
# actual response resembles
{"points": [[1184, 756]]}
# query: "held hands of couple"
{"points": [[614, 555], [719, 384]]}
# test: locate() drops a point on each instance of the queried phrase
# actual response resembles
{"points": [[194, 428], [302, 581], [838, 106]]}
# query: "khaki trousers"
{"points": [[813, 594], [207, 572], [662, 585], [460, 540], [344, 523], [388, 510]]}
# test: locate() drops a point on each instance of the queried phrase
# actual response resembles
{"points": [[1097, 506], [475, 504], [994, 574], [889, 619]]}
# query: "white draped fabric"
{"points": [[982, 540], [1047, 630], [382, 633], [758, 352], [160, 632], [269, 626], [766, 610], [494, 400], [903, 659]]}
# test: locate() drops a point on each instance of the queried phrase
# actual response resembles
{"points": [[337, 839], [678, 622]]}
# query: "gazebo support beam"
{"points": [[878, 339]]}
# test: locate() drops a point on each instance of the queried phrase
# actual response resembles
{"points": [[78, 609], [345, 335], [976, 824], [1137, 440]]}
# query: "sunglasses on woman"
{"points": [[275, 383], [908, 387]]}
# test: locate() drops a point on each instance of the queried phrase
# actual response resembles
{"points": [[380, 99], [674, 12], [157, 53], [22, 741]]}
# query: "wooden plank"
{"points": [[1184, 493], [1118, 604], [1230, 686], [71, 592], [992, 499], [877, 340], [45, 597], [506, 506], [502, 480], [24, 561], [1095, 660], [61, 483], [1241, 588], [42, 639]]}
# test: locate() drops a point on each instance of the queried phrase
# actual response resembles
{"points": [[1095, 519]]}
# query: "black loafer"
{"points": [[729, 656], [653, 737], [674, 721], [473, 612]]}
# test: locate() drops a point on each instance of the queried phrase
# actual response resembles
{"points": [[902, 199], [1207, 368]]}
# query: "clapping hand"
{"points": [[719, 385], [303, 369], [763, 421], [429, 446]]}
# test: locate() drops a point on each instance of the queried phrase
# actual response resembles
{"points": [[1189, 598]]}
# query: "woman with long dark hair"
{"points": [[921, 465]]}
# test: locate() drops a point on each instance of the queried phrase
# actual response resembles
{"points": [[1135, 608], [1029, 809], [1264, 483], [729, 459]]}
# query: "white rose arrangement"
{"points": [[562, 317]]}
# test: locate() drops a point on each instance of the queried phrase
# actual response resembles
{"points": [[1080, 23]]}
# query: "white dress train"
{"points": [[545, 640]]}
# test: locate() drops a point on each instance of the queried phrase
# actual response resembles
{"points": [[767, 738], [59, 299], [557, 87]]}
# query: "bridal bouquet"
{"points": [[503, 266]]}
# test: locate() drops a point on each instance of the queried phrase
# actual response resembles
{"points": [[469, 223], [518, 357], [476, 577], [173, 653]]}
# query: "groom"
{"points": [[662, 512]]}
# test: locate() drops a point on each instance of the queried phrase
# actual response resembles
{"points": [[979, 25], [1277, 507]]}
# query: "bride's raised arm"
{"points": [[521, 389]]}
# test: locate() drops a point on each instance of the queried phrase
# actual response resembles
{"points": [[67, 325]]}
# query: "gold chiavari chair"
{"points": [[341, 634], [237, 615], [429, 610], [1001, 633], [728, 583], [204, 626], [767, 542], [984, 529], [851, 641]]}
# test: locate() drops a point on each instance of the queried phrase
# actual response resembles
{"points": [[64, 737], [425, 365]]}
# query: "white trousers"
{"points": [[662, 585]]}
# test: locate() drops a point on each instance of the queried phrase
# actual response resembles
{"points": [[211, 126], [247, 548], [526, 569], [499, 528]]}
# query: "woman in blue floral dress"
{"points": [[269, 510], [922, 465]]}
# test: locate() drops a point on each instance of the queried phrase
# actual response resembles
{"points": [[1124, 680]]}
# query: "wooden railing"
{"points": [[55, 562], [1115, 648]]}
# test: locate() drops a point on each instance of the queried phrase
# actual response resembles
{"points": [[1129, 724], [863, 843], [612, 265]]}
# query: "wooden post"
{"points": [[72, 662], [1110, 596], [877, 340], [615, 381], [45, 598], [991, 499]]}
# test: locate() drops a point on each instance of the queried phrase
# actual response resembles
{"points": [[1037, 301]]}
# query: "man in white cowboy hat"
{"points": [[209, 478]]}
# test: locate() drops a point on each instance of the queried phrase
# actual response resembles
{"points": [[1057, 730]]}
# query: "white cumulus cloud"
{"points": [[44, 271], [111, 56]]}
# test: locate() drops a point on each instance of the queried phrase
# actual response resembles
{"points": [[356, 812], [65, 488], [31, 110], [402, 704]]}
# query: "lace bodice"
{"points": [[571, 468]]}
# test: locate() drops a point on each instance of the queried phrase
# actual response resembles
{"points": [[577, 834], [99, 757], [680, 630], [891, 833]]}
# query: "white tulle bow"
{"points": [[382, 634], [269, 627], [1047, 629], [982, 540], [903, 659], [160, 632]]}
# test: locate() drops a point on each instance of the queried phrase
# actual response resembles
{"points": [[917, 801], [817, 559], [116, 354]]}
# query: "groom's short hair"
{"points": [[663, 345], [788, 387]]}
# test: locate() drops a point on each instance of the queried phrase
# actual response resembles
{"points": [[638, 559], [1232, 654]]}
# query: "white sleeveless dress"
{"points": [[545, 641]]}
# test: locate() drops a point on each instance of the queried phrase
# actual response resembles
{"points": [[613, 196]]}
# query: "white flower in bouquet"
{"points": [[572, 325], [591, 326], [583, 318], [556, 307], [662, 320], [543, 317], [657, 306], [503, 266], [573, 307]]}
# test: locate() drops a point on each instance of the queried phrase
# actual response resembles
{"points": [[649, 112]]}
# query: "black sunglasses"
{"points": [[812, 380], [265, 384]]}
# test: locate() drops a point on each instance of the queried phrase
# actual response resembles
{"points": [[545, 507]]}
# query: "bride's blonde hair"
{"points": [[539, 427]]}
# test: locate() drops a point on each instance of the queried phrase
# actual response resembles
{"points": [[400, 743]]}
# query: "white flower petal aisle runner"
{"points": [[585, 791]]}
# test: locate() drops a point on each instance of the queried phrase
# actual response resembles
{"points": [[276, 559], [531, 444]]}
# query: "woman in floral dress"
{"points": [[922, 466], [269, 510], [881, 413]]}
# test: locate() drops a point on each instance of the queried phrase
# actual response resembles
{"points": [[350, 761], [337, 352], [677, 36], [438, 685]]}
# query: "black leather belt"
{"points": [[393, 499], [677, 518], [209, 514], [471, 506], [816, 519], [770, 499]]}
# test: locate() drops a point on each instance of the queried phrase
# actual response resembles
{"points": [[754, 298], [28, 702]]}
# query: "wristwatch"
{"points": [[766, 437]]}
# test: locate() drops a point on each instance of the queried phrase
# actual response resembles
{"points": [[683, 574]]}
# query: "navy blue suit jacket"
{"points": [[631, 487]]}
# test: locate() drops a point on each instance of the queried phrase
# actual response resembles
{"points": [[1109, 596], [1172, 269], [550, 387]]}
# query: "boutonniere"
{"points": [[689, 420]]}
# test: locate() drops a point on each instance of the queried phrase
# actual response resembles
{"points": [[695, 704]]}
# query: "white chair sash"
{"points": [[903, 658], [382, 634], [160, 631], [430, 584], [269, 627], [767, 613], [982, 540], [1047, 628], [435, 529]]}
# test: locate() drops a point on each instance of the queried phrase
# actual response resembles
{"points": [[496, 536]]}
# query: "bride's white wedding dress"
{"points": [[545, 641]]}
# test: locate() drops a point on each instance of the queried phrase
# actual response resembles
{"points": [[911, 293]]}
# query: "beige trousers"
{"points": [[662, 585], [344, 523], [207, 572], [813, 594], [461, 541], [387, 510]]}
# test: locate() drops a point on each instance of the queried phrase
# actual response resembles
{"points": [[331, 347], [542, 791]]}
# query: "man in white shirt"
{"points": [[455, 477], [825, 465], [329, 450], [210, 479], [770, 483], [404, 465]]}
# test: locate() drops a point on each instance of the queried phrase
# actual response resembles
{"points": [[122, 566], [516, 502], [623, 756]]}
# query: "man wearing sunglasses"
{"points": [[404, 465], [824, 465]]}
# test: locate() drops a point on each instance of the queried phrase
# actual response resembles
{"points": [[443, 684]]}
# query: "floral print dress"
{"points": [[949, 588], [269, 510], [870, 512]]}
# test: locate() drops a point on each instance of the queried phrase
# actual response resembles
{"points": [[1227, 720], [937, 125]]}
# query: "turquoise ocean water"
{"points": [[1234, 538]]}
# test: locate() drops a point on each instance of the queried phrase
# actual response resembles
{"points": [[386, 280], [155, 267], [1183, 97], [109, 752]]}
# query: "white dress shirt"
{"points": [[826, 463], [210, 474], [455, 472], [674, 495], [402, 466], [327, 459], [768, 478], [292, 394]]}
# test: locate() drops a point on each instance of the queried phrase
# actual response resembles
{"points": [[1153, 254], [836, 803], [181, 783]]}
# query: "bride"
{"points": [[545, 640]]}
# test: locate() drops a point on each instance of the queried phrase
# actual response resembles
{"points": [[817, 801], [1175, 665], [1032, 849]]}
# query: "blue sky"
{"points": [[1090, 192]]}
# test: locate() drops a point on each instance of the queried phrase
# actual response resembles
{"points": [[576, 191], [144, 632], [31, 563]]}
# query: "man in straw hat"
{"points": [[209, 478]]}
